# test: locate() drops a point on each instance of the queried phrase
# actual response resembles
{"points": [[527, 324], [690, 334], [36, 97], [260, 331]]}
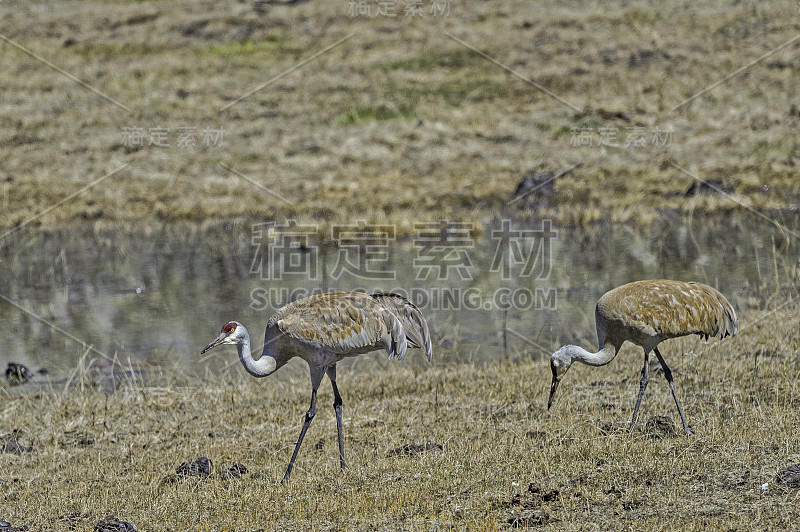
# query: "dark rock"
{"points": [[536, 435], [13, 447], [660, 427], [550, 495], [9, 443], [17, 374], [196, 468], [235, 471], [5, 526], [112, 524], [534, 184], [790, 476]]}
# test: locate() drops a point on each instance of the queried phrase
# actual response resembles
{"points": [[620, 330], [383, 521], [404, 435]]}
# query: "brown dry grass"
{"points": [[503, 455], [399, 123]]}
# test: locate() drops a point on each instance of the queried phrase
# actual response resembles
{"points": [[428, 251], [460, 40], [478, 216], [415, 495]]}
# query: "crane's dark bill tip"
{"points": [[213, 344], [553, 388]]}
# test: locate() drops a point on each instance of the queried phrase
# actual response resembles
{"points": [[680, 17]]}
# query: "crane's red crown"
{"points": [[229, 327]]}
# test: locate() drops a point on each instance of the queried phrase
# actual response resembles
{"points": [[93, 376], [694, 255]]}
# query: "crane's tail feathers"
{"points": [[722, 319], [410, 318], [731, 322], [726, 322], [397, 343]]}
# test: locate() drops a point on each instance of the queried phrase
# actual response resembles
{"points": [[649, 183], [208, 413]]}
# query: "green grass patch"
{"points": [[122, 49], [242, 48]]}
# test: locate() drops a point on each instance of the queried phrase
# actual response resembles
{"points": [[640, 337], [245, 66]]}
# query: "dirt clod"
{"points": [[5, 526], [235, 471], [790, 476], [112, 524], [196, 468], [660, 427], [410, 449]]}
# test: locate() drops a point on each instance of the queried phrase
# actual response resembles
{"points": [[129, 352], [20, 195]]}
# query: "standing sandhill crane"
{"points": [[646, 313], [322, 330]]}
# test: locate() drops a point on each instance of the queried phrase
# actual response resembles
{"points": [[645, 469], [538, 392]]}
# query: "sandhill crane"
{"points": [[646, 313], [322, 330]]}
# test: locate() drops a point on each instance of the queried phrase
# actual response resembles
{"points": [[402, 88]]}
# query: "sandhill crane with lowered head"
{"points": [[646, 313], [322, 330]]}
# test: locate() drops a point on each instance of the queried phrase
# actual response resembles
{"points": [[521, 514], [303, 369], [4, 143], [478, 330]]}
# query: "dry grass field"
{"points": [[151, 115], [237, 112], [504, 457]]}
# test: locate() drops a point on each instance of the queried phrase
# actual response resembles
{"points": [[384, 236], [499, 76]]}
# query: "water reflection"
{"points": [[158, 299]]}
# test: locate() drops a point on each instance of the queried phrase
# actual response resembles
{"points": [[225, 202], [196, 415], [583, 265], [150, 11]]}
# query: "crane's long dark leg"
{"points": [[642, 386], [337, 407], [316, 378], [668, 375]]}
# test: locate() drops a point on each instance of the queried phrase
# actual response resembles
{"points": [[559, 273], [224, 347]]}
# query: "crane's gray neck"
{"points": [[601, 358], [266, 365]]}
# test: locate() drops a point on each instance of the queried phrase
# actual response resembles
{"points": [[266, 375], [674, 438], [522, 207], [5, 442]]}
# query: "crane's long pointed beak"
{"points": [[218, 340], [553, 388]]}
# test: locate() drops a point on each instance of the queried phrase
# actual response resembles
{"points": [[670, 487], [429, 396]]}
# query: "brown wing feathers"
{"points": [[345, 322], [410, 317], [670, 308]]}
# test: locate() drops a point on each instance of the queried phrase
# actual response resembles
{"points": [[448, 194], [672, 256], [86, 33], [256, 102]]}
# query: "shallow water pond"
{"points": [[141, 303]]}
